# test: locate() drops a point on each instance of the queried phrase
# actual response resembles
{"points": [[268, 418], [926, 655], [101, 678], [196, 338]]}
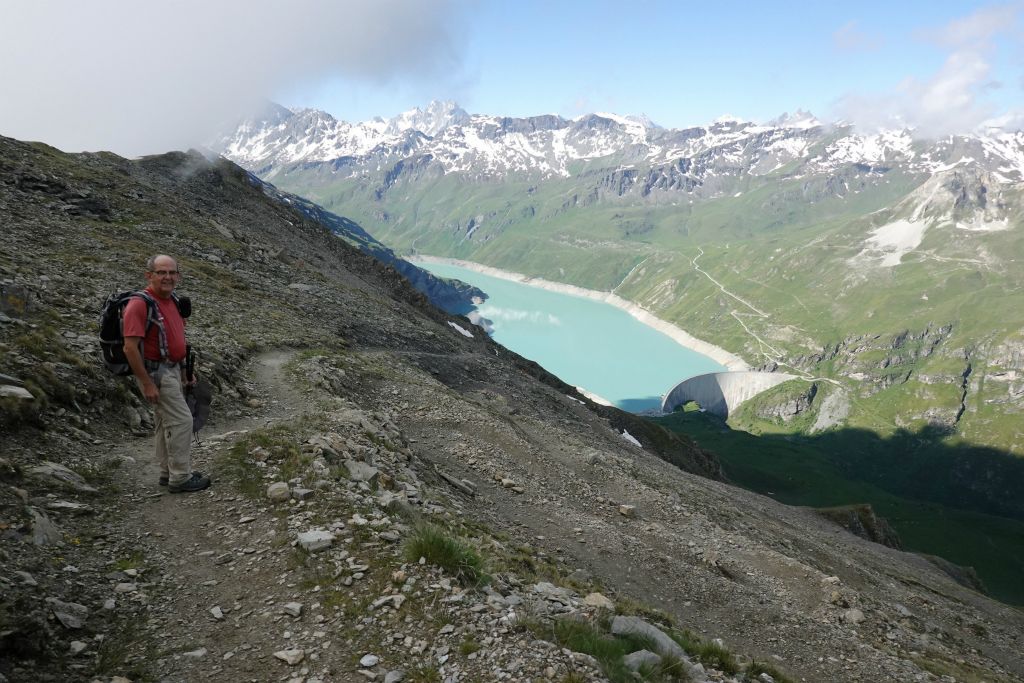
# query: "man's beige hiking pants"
{"points": [[173, 427]]}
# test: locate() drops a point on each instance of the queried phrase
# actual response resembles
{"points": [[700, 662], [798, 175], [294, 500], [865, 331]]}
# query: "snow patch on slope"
{"points": [[891, 241], [870, 149], [460, 329]]}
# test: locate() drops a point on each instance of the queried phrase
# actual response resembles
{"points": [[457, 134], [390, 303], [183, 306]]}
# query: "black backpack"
{"points": [[112, 326]]}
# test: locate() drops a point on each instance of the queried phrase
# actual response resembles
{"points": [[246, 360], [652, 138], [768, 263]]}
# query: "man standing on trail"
{"points": [[154, 344]]}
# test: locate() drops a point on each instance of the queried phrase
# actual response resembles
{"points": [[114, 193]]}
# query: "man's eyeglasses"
{"points": [[165, 273]]}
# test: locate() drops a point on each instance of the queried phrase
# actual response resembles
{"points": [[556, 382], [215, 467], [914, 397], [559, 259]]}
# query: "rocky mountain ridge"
{"points": [[548, 145], [387, 416]]}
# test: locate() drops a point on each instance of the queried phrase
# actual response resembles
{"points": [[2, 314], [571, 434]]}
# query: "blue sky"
{"points": [[139, 77], [685, 63]]}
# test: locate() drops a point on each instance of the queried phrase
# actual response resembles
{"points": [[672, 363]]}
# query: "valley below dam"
{"points": [[589, 343], [607, 352]]}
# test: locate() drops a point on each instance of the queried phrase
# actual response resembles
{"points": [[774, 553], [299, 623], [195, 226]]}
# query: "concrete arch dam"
{"points": [[721, 392]]}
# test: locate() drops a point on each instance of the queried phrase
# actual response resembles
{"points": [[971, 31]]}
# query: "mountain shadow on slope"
{"points": [[959, 502]]}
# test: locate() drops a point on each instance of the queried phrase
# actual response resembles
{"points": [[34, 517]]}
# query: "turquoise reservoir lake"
{"points": [[586, 343]]}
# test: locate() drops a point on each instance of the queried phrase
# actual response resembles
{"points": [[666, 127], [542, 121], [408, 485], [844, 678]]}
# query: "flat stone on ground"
{"points": [[278, 492], [315, 540], [290, 657]]}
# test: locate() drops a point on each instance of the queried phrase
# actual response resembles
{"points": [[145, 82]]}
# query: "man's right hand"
{"points": [[151, 392]]}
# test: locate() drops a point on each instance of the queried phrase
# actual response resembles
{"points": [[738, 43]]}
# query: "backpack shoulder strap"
{"points": [[155, 317]]}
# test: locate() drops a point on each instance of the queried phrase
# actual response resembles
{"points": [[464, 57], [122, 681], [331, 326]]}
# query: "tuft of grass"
{"points": [[941, 666], [16, 413], [628, 607], [708, 653], [335, 599], [129, 655], [133, 561], [668, 670], [718, 657], [447, 552], [579, 636], [296, 559], [469, 646], [425, 674], [99, 474], [594, 639], [757, 668], [238, 466]]}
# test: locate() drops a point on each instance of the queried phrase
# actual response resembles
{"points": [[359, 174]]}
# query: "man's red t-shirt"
{"points": [[135, 315]]}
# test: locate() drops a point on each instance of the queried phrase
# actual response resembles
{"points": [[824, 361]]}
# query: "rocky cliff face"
{"points": [[390, 416], [448, 295]]}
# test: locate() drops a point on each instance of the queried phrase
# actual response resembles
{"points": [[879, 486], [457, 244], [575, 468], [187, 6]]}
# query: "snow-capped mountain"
{"points": [[445, 137]]}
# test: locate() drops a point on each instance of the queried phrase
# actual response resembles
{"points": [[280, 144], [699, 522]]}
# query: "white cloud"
{"points": [[851, 38], [497, 313], [978, 28], [953, 99], [141, 77]]}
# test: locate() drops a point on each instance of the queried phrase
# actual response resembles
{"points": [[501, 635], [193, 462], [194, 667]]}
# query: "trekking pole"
{"points": [[190, 376]]}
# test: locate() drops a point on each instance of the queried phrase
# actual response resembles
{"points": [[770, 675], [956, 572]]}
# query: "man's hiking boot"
{"points": [[197, 482], [164, 479]]}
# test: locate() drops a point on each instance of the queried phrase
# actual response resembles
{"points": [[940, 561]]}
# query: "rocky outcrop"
{"points": [[857, 356], [791, 407], [862, 521]]}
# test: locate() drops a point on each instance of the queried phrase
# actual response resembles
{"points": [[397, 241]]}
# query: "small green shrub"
{"points": [[446, 552]]}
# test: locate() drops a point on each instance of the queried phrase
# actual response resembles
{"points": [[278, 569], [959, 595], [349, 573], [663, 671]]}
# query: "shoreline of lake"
{"points": [[680, 336]]}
